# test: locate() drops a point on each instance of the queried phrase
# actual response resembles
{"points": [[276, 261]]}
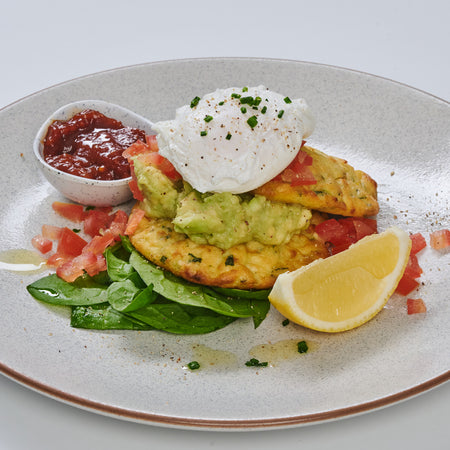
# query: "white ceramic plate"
{"points": [[399, 135]]}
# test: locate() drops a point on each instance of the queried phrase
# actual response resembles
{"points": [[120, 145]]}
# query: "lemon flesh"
{"points": [[347, 289]]}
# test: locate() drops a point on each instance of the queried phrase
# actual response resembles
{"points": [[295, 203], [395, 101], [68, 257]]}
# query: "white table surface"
{"points": [[45, 42]]}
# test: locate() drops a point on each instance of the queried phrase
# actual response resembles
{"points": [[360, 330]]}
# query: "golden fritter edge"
{"points": [[340, 189], [245, 266]]}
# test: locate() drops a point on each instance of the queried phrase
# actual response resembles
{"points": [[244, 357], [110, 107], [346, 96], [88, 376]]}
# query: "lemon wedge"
{"points": [[345, 290]]}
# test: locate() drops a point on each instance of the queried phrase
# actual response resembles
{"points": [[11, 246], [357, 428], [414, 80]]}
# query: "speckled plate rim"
{"points": [[217, 424], [222, 425]]}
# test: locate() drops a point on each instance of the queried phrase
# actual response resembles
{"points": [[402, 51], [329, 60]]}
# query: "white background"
{"points": [[45, 42]]}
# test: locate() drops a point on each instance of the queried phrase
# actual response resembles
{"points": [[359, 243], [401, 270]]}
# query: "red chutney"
{"points": [[90, 145]]}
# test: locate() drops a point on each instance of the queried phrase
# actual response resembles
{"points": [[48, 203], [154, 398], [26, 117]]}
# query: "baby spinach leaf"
{"points": [[181, 319], [186, 293], [104, 317], [118, 268], [260, 294], [125, 296], [83, 291]]}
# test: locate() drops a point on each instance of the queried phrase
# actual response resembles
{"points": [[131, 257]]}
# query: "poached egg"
{"points": [[236, 139]]}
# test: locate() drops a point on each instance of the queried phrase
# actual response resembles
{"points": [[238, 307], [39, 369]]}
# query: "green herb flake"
{"points": [[76, 230], [208, 118], [195, 101], [280, 114], [194, 258], [203, 133], [228, 136], [287, 100], [257, 101], [255, 363], [230, 260], [247, 100], [252, 121], [245, 89], [285, 322], [243, 109], [221, 103], [234, 95], [263, 109], [193, 365], [302, 347]]}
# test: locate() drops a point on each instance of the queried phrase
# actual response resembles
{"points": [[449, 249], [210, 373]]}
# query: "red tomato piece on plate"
{"points": [[70, 243], [74, 213], [440, 239], [51, 232], [418, 243], [133, 222], [42, 244], [95, 221], [406, 285], [415, 306]]}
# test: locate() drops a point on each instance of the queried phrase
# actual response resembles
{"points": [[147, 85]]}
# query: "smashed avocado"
{"points": [[220, 219]]}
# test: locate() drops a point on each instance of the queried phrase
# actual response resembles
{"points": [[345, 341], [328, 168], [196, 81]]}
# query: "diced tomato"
{"points": [[51, 232], [328, 229], [57, 260], [70, 271], [96, 220], [341, 233], [413, 269], [298, 172], [406, 285], [133, 222], [70, 243], [133, 183], [415, 306], [152, 143], [364, 227], [42, 244], [99, 244], [148, 153], [74, 213], [118, 224], [440, 239], [418, 243]]}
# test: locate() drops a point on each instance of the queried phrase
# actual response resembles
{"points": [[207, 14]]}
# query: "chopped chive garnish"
{"points": [[245, 89], [234, 95], [243, 110], [194, 102], [208, 118], [203, 133], [255, 363], [193, 365], [228, 136], [264, 109], [287, 100], [221, 103], [257, 101], [247, 100], [255, 107], [280, 114], [252, 121], [285, 322], [302, 347]]}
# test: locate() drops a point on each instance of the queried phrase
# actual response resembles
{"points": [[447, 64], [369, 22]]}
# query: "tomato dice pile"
{"points": [[339, 234], [75, 255], [298, 173]]}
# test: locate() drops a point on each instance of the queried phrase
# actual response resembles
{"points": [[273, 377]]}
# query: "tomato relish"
{"points": [[90, 145]]}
